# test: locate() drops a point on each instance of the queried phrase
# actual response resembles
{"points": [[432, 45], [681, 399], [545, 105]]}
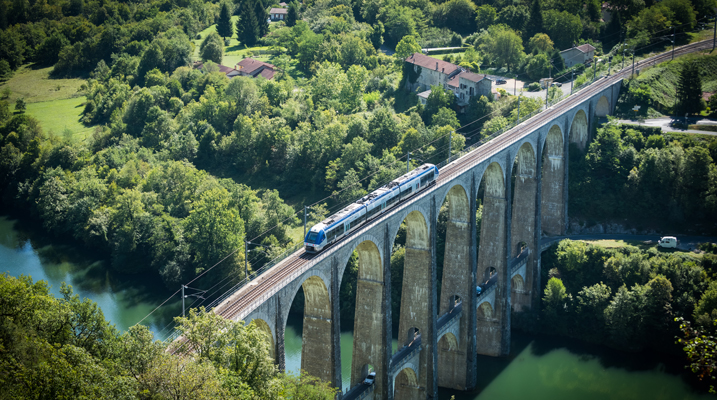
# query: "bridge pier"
{"points": [[553, 202], [457, 286], [523, 225], [317, 354], [492, 252], [417, 305]]}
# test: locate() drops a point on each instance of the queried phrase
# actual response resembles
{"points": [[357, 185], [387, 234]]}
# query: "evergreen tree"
{"points": [[261, 17], [689, 89], [224, 24], [212, 48], [248, 26], [609, 39], [535, 23], [293, 14]]}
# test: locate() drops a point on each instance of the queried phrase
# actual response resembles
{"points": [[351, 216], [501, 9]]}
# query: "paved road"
{"points": [[664, 124], [687, 243]]}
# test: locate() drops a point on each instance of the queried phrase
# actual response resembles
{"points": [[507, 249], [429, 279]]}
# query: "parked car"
{"points": [[558, 84], [501, 81], [370, 379], [667, 242]]}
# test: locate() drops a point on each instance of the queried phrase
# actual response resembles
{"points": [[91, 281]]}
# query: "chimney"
{"points": [[436, 65], [443, 70]]}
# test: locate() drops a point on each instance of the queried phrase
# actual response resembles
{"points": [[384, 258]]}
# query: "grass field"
{"points": [[56, 103], [59, 116], [36, 85], [644, 245]]}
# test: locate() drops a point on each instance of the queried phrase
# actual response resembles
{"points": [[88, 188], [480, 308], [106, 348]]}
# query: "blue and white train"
{"points": [[354, 215]]}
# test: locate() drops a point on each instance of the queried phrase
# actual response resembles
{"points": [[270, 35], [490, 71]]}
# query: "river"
{"points": [[537, 368]]}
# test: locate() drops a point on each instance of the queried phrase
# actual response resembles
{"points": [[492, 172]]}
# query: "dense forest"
{"points": [[652, 180], [65, 349], [632, 298]]}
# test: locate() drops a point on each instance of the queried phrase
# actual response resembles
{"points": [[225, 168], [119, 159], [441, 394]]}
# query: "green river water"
{"points": [[537, 368]]}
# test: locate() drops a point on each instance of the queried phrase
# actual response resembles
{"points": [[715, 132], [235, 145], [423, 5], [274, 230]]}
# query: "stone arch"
{"points": [[348, 249], [485, 312], [448, 342], [406, 386], [457, 197], [493, 181], [266, 332], [417, 229], [517, 283], [602, 109], [579, 129]]}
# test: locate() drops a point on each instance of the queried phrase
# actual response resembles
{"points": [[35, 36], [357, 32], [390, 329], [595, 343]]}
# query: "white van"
{"points": [[667, 242]]}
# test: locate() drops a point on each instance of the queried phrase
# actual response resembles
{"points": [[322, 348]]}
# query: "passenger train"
{"points": [[354, 215]]}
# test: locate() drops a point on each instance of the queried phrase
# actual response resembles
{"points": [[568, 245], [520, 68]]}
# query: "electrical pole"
{"points": [[623, 57], [304, 221], [450, 140], [674, 30], [633, 61], [572, 81], [714, 35], [518, 121], [547, 90], [594, 68], [408, 162], [515, 85], [246, 263], [182, 300]]}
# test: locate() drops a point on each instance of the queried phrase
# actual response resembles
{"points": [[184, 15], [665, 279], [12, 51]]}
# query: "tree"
{"points": [[504, 46], [457, 15], [406, 47], [700, 345], [438, 99], [689, 89], [377, 35], [212, 48], [535, 23], [248, 25], [485, 16], [563, 27], [540, 43], [20, 105], [225, 29], [293, 14], [538, 67], [513, 16], [262, 16]]}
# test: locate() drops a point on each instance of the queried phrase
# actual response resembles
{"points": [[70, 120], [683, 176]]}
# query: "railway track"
{"points": [[240, 304]]}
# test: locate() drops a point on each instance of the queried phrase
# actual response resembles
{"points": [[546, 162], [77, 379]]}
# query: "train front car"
{"points": [[315, 239]]}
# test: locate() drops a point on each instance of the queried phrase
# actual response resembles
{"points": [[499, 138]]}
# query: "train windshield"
{"points": [[311, 237]]}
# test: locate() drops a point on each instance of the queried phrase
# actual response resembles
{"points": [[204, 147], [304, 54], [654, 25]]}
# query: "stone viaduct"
{"points": [[521, 186]]}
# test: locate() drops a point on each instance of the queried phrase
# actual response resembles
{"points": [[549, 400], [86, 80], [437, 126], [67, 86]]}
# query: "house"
{"points": [[250, 67], [578, 55], [245, 68], [463, 83], [228, 71], [278, 14]]}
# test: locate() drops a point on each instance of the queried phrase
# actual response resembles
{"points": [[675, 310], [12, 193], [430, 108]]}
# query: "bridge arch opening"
{"points": [[406, 386], [552, 206], [265, 330], [362, 311], [492, 251], [411, 335], [579, 130], [411, 277], [602, 109], [310, 316], [485, 312], [525, 188], [448, 342], [517, 283]]}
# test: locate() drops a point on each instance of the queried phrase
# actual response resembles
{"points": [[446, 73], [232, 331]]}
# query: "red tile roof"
{"points": [[432, 63], [471, 76], [250, 66]]}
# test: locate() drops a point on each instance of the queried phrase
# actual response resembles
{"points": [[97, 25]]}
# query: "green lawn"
{"points": [[643, 245], [59, 116], [36, 85]]}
